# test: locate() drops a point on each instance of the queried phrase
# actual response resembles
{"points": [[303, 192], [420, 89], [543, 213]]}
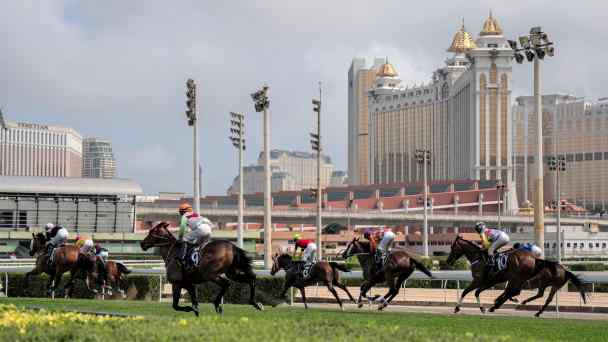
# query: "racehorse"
{"points": [[399, 266], [545, 279], [321, 272], [66, 258], [219, 261], [115, 276], [520, 267]]}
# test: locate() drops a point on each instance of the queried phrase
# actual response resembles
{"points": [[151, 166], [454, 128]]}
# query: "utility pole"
{"points": [[262, 103], [316, 146], [536, 46], [237, 131], [191, 115], [424, 157]]}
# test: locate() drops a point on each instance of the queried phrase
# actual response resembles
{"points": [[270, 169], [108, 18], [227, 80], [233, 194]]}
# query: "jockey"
{"points": [[380, 250], [308, 249], [491, 239], [85, 244], [529, 247], [102, 255], [101, 252], [56, 236], [199, 230]]}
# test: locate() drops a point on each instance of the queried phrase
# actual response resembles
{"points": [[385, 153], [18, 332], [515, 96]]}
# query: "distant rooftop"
{"points": [[69, 185]]}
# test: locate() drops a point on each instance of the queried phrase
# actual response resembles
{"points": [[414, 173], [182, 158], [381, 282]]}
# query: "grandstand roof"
{"points": [[69, 185]]}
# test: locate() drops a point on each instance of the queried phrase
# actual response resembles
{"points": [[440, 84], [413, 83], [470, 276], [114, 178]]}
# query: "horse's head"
{"points": [[37, 244], [158, 236], [353, 248], [280, 262], [461, 247]]}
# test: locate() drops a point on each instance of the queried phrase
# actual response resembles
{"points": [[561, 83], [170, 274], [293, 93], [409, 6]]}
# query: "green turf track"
{"points": [[243, 323]]}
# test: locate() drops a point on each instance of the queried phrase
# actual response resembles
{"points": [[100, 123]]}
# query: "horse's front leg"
{"points": [[193, 298], [176, 290]]}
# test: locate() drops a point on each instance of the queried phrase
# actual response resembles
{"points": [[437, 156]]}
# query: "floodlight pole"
{"points": [[539, 206]]}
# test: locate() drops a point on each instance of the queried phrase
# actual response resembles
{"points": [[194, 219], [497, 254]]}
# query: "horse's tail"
{"points": [[241, 261], [578, 283], [122, 268], [541, 264], [421, 267], [336, 266]]}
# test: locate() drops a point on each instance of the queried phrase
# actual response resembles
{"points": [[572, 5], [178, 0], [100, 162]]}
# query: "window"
{"points": [[597, 156], [588, 156], [568, 245], [579, 157], [597, 245], [590, 245], [569, 157], [574, 246], [603, 245], [605, 155]]}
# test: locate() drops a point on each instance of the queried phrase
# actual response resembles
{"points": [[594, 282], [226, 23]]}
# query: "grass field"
{"points": [[21, 320]]}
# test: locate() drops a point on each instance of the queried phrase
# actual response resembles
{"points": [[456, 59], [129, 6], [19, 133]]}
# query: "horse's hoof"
{"points": [[258, 306], [219, 310], [195, 310], [341, 308], [456, 310], [492, 309], [360, 305], [537, 314], [382, 306]]}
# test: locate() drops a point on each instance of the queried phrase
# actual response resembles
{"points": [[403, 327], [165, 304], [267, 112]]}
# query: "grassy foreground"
{"points": [[20, 321]]}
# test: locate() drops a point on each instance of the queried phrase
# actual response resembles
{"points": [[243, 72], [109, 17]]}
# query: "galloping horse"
{"points": [[545, 279], [398, 268], [321, 272], [520, 267], [115, 279], [66, 258], [219, 261]]}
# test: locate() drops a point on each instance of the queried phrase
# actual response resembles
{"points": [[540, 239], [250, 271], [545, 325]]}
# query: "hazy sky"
{"points": [[116, 69]]}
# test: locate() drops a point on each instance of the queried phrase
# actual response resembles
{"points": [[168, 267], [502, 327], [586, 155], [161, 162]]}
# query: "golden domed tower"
{"points": [[462, 41], [387, 70], [491, 27], [387, 76]]}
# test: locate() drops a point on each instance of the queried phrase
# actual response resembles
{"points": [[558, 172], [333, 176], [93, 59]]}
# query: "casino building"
{"points": [[462, 115]]}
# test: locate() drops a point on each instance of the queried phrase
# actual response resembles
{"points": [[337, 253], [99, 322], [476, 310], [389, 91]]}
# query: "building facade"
{"points": [[360, 82], [98, 160], [573, 128], [291, 170], [28, 149], [462, 116]]}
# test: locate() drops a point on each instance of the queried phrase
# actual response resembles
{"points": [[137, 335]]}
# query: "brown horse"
{"points": [[321, 272], [398, 268], [115, 279], [520, 267], [66, 258], [545, 279], [219, 261]]}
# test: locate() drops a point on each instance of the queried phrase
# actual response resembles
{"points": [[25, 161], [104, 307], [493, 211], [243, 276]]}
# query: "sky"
{"points": [[117, 69]]}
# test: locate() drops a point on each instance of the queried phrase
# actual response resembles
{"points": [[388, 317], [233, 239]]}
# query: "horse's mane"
{"points": [[365, 245], [471, 243]]}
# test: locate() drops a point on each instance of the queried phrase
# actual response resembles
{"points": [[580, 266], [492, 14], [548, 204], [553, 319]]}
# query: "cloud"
{"points": [[117, 69]]}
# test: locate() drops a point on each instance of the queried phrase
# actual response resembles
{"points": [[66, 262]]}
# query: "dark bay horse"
{"points": [[115, 276], [545, 279], [321, 272], [219, 261], [521, 266], [66, 259], [398, 268]]}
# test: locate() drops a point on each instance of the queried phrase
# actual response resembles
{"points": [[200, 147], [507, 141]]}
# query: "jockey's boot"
{"points": [[182, 248], [49, 254]]}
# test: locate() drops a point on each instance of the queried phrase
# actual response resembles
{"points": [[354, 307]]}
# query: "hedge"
{"points": [[143, 287]]}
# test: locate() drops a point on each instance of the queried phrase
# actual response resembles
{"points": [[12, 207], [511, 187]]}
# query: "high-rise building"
{"points": [[28, 149], [463, 116], [572, 128], [360, 81], [291, 170], [98, 160]]}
